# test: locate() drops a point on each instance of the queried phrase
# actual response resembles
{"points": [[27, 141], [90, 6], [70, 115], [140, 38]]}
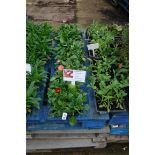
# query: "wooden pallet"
{"points": [[43, 141]]}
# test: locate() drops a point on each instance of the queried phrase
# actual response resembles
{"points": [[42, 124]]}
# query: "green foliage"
{"points": [[38, 73], [31, 97], [72, 120], [70, 99], [109, 82], [38, 42], [69, 50], [38, 52], [113, 40]]}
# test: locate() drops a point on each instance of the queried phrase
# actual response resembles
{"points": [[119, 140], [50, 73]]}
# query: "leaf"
{"points": [[84, 59], [72, 120]]}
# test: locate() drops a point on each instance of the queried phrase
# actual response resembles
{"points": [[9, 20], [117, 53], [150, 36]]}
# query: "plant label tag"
{"points": [[93, 46], [74, 75], [28, 68], [73, 82], [64, 116], [79, 75], [114, 126]]}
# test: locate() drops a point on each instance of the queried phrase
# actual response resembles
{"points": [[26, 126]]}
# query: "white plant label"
{"points": [[115, 126], [93, 46], [79, 75], [28, 68], [64, 116], [74, 75]]}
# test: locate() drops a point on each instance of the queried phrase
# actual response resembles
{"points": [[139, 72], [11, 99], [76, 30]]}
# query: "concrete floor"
{"points": [[82, 12], [111, 149]]}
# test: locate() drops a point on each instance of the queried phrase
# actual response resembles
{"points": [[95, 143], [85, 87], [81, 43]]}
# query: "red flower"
{"points": [[57, 90], [60, 67]]}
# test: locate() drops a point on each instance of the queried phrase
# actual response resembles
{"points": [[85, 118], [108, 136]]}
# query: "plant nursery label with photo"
{"points": [[68, 75], [74, 75], [93, 46], [28, 68]]}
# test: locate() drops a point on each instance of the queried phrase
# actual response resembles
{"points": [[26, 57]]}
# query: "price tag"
{"points": [[28, 68], [74, 75], [64, 116], [93, 46]]}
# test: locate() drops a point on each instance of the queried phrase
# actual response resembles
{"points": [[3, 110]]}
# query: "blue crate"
{"points": [[122, 120], [38, 115], [119, 131], [119, 118]]}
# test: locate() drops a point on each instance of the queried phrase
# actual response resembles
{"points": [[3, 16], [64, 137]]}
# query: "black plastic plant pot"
{"points": [[118, 110], [118, 37], [88, 37], [127, 98], [113, 108], [97, 101]]}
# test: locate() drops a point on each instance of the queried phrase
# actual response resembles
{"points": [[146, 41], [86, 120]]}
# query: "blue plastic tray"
{"points": [[120, 119], [119, 131]]}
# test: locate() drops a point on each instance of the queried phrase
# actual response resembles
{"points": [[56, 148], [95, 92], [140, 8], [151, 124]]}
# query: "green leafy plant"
{"points": [[38, 73], [38, 42], [99, 33], [33, 80], [109, 74], [69, 54], [64, 97], [32, 100], [38, 52], [69, 47]]}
